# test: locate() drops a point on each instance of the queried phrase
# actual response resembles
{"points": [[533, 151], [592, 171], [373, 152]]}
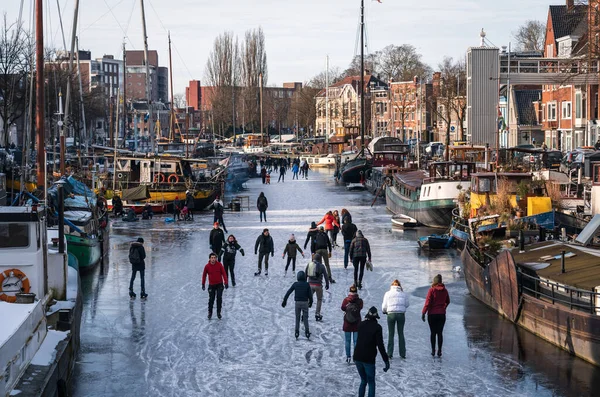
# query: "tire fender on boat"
{"points": [[13, 273]]}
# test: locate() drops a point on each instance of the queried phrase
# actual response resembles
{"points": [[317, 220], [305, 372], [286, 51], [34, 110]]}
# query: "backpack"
{"points": [[313, 270], [352, 312], [321, 240], [262, 201], [134, 256]]}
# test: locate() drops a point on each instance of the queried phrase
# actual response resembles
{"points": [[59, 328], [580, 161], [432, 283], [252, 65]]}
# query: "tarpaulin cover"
{"points": [[136, 194]]}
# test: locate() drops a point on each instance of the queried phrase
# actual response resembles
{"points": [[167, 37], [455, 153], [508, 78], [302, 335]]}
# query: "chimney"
{"points": [[570, 4]]}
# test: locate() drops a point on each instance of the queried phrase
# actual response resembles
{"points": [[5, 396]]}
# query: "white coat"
{"points": [[395, 300]]}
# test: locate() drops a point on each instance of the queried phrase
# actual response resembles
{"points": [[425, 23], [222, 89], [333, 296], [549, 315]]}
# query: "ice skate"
{"points": [[219, 316], [297, 334], [143, 295], [132, 294], [307, 335], [266, 272], [318, 317], [257, 273], [209, 316]]}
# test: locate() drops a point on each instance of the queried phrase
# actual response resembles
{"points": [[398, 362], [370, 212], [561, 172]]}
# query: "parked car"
{"points": [[575, 159]]}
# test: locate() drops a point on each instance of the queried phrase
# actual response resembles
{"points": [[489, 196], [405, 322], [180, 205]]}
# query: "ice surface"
{"points": [[12, 316], [47, 351], [166, 346]]}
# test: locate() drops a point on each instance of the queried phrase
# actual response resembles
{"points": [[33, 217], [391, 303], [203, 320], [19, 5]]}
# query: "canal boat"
{"points": [[403, 221], [551, 289], [319, 160], [436, 241], [428, 197]]}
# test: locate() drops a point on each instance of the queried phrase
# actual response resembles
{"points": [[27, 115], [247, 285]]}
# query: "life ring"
{"points": [[173, 178], [160, 178], [13, 273]]}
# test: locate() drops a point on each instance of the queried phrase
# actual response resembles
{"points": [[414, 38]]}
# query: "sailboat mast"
{"points": [[67, 121], [125, 113], [39, 91], [262, 137], [362, 75], [327, 99], [172, 123], [148, 86]]}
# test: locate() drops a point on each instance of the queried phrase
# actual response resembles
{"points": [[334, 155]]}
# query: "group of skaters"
{"points": [[365, 335], [283, 165]]}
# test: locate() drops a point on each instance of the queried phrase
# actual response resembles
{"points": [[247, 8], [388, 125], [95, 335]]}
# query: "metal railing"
{"points": [[574, 298], [483, 258], [549, 65]]}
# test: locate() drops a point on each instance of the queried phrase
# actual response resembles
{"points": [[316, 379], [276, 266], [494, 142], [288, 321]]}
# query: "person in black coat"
{"points": [[228, 251], [177, 209], [219, 208], [262, 204], [349, 230], [137, 256], [370, 338], [310, 236], [263, 173], [189, 203], [282, 171], [303, 299], [264, 246], [117, 206], [216, 240]]}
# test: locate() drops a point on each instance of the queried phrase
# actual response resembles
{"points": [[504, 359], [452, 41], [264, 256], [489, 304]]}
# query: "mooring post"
{"points": [[562, 261], [521, 241]]}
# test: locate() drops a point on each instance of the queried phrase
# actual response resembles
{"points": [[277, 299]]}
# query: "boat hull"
{"points": [[432, 213], [497, 286], [87, 250], [355, 171]]}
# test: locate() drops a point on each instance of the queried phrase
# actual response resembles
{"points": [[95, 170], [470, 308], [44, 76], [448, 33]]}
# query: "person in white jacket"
{"points": [[395, 303]]}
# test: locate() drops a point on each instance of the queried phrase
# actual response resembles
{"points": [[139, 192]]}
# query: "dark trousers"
{"points": [[293, 260], [281, 177], [229, 271], [367, 377], [219, 218], [262, 255], [436, 326], [301, 308], [133, 272], [217, 250], [295, 176], [263, 177], [216, 289], [347, 253], [263, 213], [359, 264]]}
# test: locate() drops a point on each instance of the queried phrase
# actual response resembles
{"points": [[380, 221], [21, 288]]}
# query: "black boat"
{"points": [[355, 171]]}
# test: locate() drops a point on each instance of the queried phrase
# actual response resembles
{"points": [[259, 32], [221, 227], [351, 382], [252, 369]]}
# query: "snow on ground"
{"points": [[166, 346], [12, 315], [59, 305], [72, 283], [47, 351]]}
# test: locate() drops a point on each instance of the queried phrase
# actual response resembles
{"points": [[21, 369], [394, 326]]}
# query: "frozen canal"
{"points": [[167, 347]]}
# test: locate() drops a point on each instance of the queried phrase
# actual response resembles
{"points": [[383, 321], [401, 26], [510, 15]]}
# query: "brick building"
{"points": [[136, 77]]}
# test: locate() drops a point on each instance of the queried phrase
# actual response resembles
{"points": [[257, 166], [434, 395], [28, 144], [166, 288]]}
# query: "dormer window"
{"points": [[565, 45]]}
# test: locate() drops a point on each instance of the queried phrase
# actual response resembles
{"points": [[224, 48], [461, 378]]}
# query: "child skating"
{"points": [[291, 249], [303, 299]]}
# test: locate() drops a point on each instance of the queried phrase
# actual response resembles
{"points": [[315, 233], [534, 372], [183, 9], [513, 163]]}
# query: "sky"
{"points": [[299, 34]]}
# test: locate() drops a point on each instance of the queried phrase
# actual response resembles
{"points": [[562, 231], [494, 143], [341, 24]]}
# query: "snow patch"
{"points": [[59, 305], [47, 351], [72, 284], [15, 392], [13, 315]]}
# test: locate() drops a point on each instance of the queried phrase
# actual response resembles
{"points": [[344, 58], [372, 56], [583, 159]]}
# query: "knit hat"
{"points": [[140, 240], [353, 289], [317, 258], [372, 313], [321, 227]]}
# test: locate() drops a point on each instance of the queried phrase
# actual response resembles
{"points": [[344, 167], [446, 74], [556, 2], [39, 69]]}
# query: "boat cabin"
{"points": [[485, 187]]}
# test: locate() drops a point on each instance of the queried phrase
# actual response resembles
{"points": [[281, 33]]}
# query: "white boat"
{"points": [[404, 221], [319, 160], [32, 270]]}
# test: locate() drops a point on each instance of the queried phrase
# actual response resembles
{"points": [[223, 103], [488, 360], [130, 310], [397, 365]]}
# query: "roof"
{"points": [[413, 179], [525, 111], [565, 21], [582, 269], [354, 81]]}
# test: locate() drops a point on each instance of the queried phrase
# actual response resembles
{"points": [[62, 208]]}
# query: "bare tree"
{"points": [[401, 63], [303, 106], [530, 36], [444, 97], [319, 81], [16, 53], [253, 64], [371, 65], [179, 101]]}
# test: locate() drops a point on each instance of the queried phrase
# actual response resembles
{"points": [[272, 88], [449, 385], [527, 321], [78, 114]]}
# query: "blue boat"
{"points": [[436, 241]]}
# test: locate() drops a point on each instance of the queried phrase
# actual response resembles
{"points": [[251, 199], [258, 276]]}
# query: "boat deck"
{"points": [[582, 268]]}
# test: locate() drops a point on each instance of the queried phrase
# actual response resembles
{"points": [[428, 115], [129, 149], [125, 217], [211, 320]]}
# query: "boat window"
{"points": [[14, 235]]}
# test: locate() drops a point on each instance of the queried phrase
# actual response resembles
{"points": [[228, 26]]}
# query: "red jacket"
{"points": [[437, 300], [216, 274], [329, 222], [351, 327]]}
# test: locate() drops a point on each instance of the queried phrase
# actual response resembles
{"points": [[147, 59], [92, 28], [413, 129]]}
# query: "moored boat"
{"points": [[436, 241]]}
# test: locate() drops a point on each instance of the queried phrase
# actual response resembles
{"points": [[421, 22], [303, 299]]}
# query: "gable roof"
{"points": [[565, 21], [354, 81], [525, 111]]}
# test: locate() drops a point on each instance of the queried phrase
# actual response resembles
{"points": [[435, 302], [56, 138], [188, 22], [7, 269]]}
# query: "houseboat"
{"points": [[428, 197]]}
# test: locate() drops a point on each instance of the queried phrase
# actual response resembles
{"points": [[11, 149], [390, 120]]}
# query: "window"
{"points": [[578, 105], [550, 50], [14, 235], [551, 113], [566, 110]]}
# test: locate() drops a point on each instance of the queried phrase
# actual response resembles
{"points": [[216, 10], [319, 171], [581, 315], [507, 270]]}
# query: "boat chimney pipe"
{"points": [[487, 148], [61, 220], [521, 241], [562, 262]]}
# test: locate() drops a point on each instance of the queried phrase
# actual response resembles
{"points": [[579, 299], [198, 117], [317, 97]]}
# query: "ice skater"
{"points": [[282, 171], [395, 303], [228, 252], [348, 233], [360, 252], [189, 203], [323, 247], [262, 248], [217, 278], [435, 306], [310, 237], [291, 248], [262, 204], [303, 299], [216, 239], [351, 306], [315, 272], [219, 208], [295, 169], [137, 255]]}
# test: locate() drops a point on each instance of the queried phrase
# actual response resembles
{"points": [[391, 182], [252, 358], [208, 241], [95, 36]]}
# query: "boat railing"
{"points": [[458, 222], [575, 298], [482, 257]]}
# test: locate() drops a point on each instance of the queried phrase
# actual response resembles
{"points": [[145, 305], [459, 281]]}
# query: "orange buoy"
{"points": [[23, 280], [173, 178], [160, 178]]}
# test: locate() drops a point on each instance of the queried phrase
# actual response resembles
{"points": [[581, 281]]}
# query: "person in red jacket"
{"points": [[330, 221], [435, 307], [351, 306], [216, 279]]}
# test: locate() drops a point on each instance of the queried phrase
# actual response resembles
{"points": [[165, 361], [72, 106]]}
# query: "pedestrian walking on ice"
{"points": [[137, 256], [263, 174], [370, 339], [262, 204], [228, 252], [348, 233], [216, 239], [435, 306], [323, 247], [360, 252], [282, 171], [291, 248], [330, 223], [336, 228], [395, 303], [217, 280], [351, 306], [189, 203], [219, 208], [315, 271], [310, 237], [263, 247], [303, 299]]}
